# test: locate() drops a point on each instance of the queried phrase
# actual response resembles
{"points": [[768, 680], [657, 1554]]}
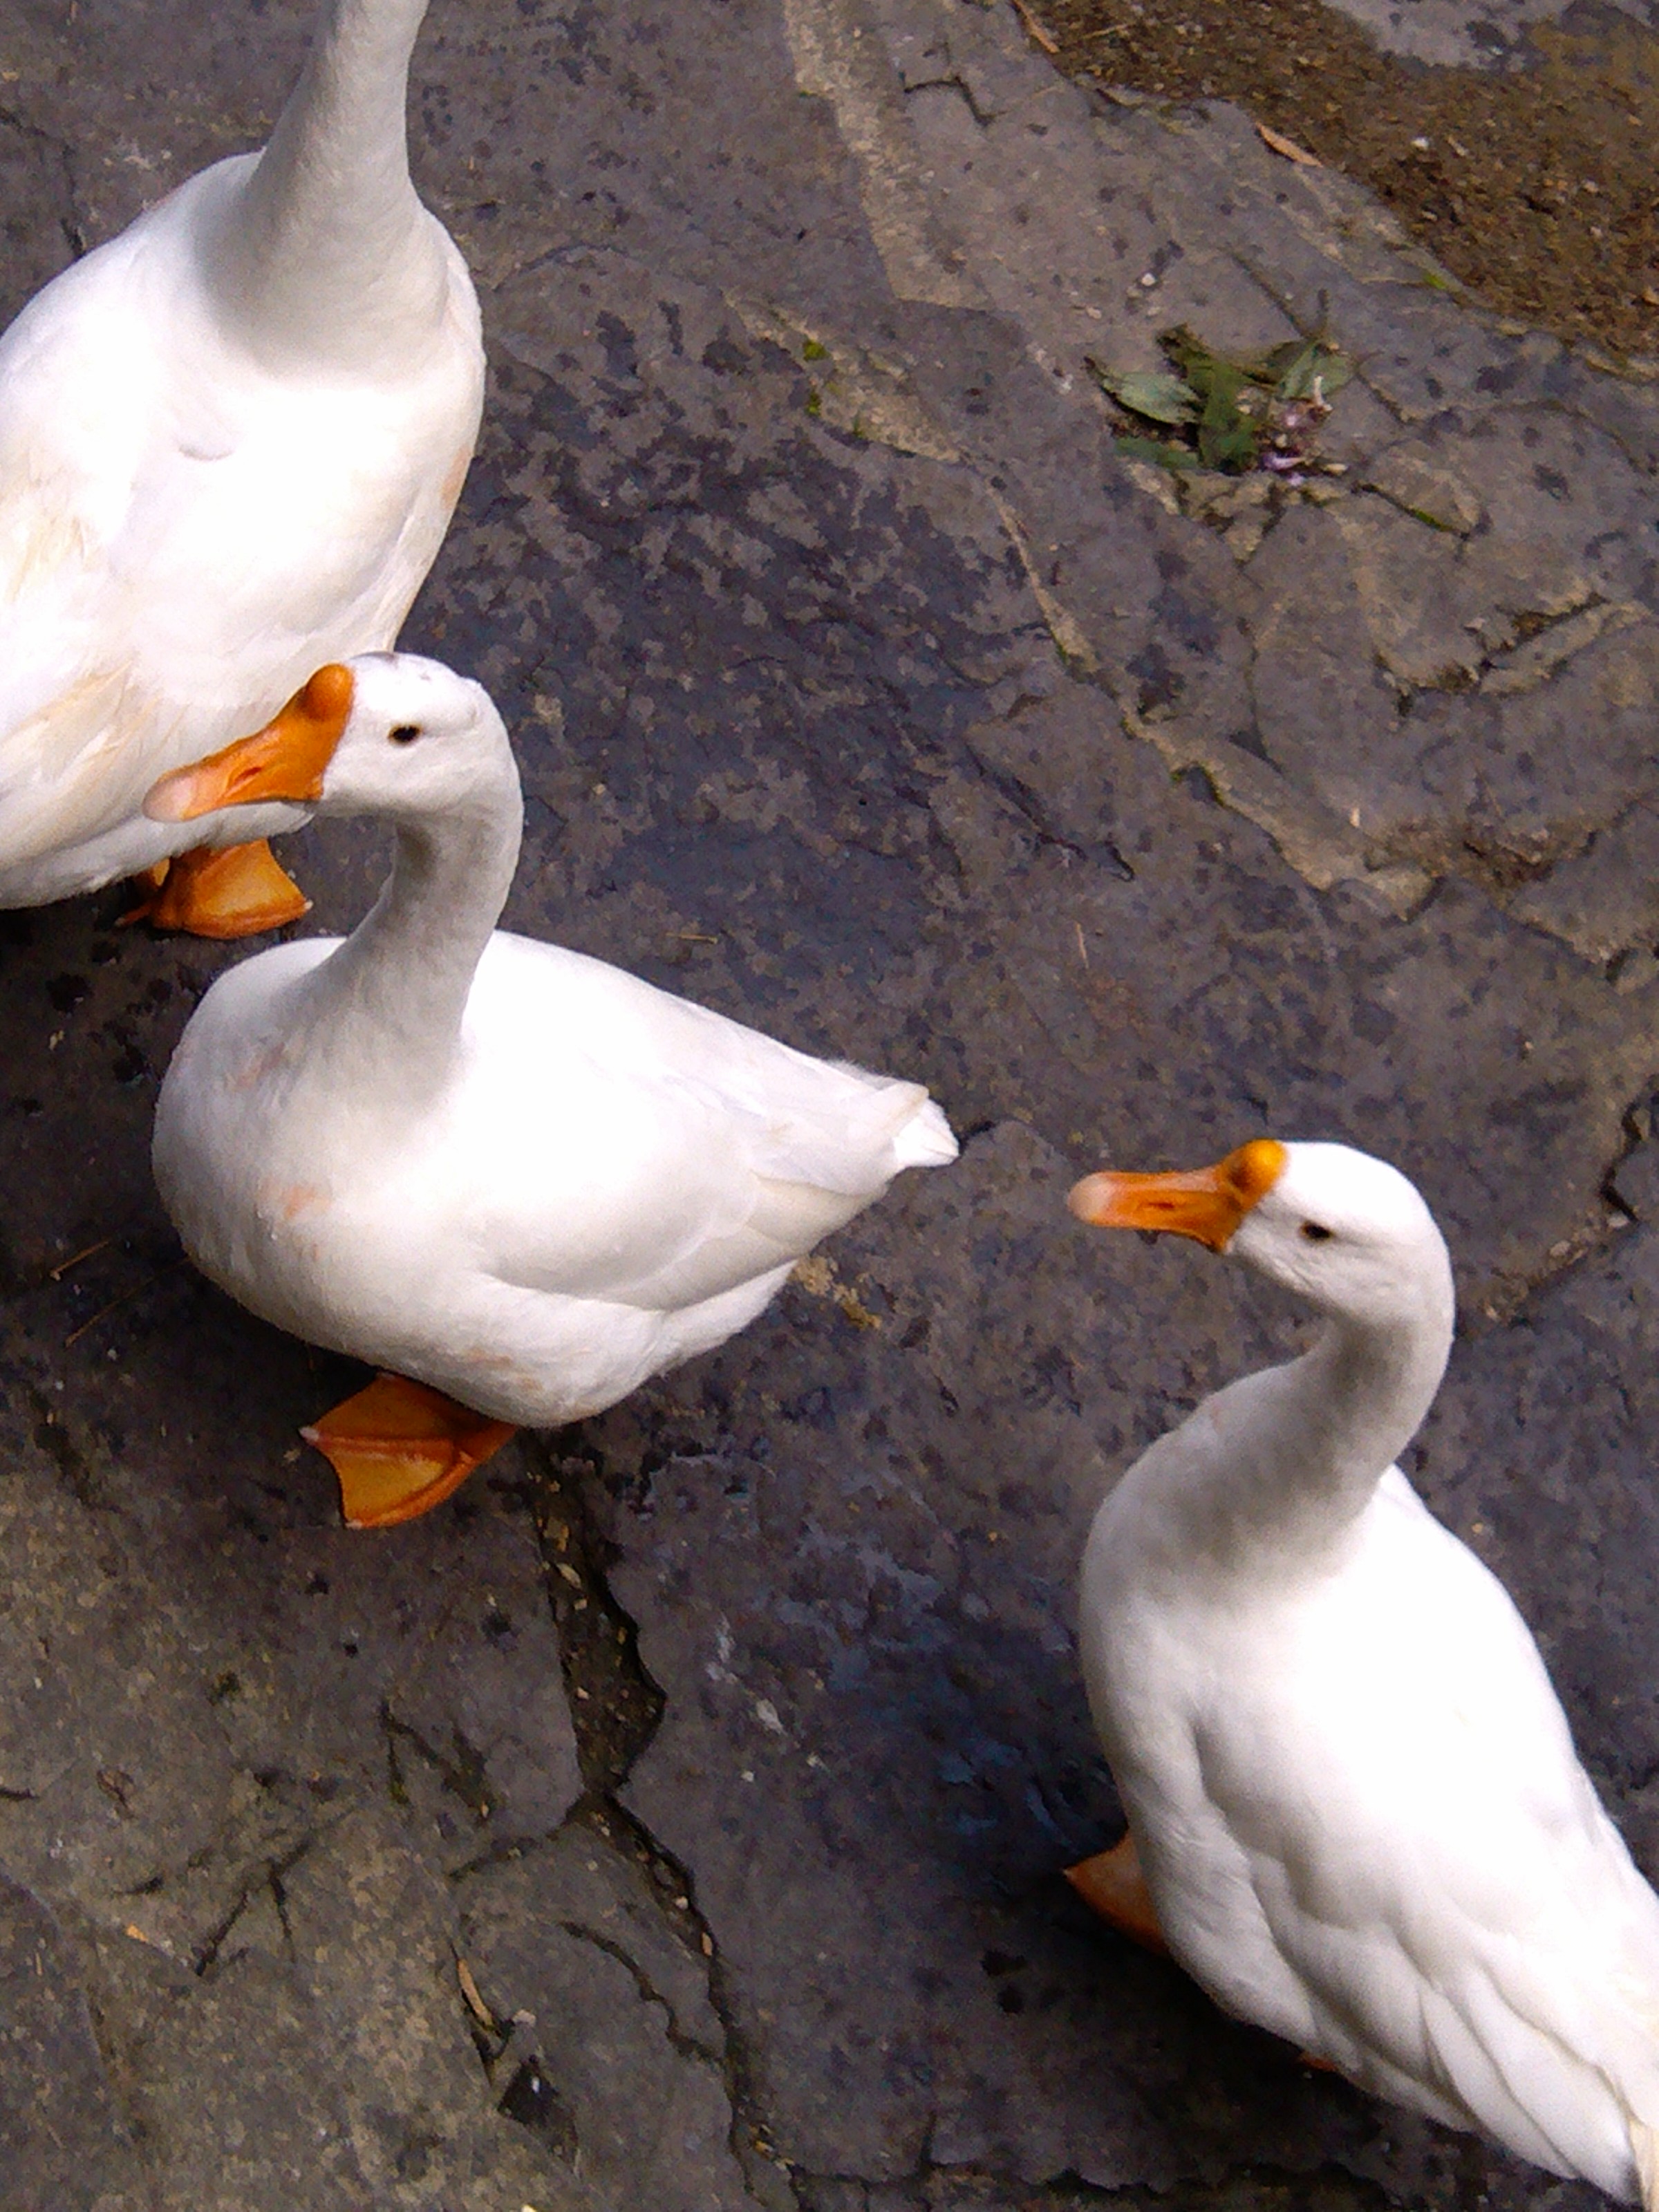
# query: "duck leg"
{"points": [[1113, 1885], [399, 1448], [232, 890]]}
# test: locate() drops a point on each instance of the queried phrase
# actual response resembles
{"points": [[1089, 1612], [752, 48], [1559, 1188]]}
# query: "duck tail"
{"points": [[1644, 2149], [926, 1140]]}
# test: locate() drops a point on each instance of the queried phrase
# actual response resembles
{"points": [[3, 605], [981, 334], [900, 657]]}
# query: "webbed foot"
{"points": [[399, 1448], [1113, 1885], [235, 890]]}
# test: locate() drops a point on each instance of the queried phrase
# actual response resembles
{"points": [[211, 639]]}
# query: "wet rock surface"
{"points": [[674, 1819]]}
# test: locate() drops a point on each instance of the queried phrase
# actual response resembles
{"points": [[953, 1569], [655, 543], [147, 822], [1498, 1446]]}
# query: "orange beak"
{"points": [[1206, 1203], [286, 760]]}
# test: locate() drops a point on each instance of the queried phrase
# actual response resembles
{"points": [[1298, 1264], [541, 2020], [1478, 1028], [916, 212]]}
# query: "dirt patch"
{"points": [[1537, 186]]}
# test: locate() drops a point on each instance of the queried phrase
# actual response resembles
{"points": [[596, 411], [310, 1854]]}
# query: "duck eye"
{"points": [[405, 733], [1317, 1233]]}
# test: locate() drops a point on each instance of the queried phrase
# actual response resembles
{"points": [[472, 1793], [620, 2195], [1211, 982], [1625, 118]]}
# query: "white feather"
{"points": [[500, 1167], [1354, 1793], [207, 490]]}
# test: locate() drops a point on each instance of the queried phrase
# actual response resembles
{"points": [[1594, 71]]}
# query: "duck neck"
{"points": [[387, 1007], [324, 253], [1284, 1462]]}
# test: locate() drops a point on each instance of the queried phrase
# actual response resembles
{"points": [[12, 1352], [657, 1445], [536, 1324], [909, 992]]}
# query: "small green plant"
{"points": [[1233, 416]]}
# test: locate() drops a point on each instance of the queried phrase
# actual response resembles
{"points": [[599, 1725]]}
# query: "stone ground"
{"points": [[732, 1743]]}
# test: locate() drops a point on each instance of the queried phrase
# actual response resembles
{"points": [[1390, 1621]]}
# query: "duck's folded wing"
{"points": [[564, 1018], [72, 711], [657, 1150], [1447, 1889], [1506, 1981], [825, 1124]]}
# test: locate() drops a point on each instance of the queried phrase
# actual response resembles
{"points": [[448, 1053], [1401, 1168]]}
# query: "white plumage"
{"points": [[1354, 1794], [515, 1173], [230, 443]]}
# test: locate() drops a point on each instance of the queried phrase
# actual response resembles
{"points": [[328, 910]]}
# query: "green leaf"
{"points": [[1273, 363], [1231, 430], [1232, 445], [1293, 368], [1313, 365], [1154, 393], [1152, 449], [1290, 368], [1203, 369], [1236, 397]]}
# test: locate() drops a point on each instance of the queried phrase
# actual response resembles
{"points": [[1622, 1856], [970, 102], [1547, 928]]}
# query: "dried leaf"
{"points": [[1048, 45], [1277, 143], [475, 2003]]}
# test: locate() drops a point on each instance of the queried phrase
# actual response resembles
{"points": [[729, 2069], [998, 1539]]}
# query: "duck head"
{"points": [[382, 733], [1345, 1231]]}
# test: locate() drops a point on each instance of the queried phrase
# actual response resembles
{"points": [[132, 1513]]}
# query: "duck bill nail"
{"points": [[1200, 1204], [286, 761], [1207, 1204]]}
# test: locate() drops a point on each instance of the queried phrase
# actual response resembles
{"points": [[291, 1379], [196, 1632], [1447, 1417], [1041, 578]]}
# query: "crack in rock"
{"points": [[1314, 840], [1628, 1198], [462, 1772], [208, 1951], [673, 1886], [952, 81], [685, 2043], [615, 1706], [1536, 658], [617, 1709]]}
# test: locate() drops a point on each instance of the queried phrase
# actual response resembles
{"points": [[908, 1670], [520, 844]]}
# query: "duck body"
{"points": [[1351, 1789], [230, 443], [506, 1169], [610, 1181]]}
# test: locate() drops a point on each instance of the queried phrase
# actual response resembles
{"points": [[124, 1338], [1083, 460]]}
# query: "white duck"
{"points": [[230, 443], [1349, 1784], [519, 1176]]}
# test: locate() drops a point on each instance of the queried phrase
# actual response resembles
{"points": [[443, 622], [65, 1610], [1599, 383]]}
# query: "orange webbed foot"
{"points": [[400, 1447], [1113, 1885], [239, 890]]}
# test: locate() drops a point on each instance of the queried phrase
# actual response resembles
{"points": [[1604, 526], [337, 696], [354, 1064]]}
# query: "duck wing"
{"points": [[658, 1151], [69, 456], [1433, 1864]]}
